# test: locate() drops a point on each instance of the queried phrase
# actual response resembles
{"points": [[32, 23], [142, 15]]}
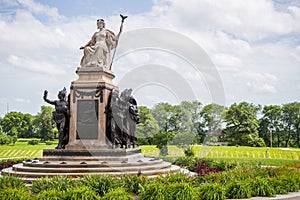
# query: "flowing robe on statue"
{"points": [[98, 51]]}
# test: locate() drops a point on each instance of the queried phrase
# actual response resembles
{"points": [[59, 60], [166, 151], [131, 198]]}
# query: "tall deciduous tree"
{"points": [[212, 115], [291, 120], [17, 124], [147, 127], [44, 123], [271, 124], [241, 122]]}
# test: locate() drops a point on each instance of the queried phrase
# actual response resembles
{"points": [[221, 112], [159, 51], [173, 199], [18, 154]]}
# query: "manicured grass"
{"points": [[22, 150], [267, 156]]}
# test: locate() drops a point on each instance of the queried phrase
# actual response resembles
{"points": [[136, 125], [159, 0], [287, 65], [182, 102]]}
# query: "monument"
{"points": [[96, 123]]}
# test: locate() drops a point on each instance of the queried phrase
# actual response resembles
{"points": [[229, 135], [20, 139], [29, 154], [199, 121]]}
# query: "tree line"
{"points": [[188, 123]]}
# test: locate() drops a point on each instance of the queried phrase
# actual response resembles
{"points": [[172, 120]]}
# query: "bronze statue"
{"points": [[122, 117], [60, 116]]}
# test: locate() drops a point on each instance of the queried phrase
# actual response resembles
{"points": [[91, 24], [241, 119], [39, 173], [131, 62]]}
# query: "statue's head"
{"points": [[62, 94], [100, 23]]}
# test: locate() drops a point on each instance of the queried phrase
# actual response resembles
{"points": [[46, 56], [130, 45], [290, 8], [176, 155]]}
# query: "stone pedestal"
{"points": [[88, 100]]}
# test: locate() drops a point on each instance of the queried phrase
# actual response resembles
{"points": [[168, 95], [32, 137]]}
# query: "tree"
{"points": [[194, 108], [162, 139], [291, 121], [162, 113], [17, 124], [44, 124], [147, 127], [271, 124], [241, 122], [212, 115]]}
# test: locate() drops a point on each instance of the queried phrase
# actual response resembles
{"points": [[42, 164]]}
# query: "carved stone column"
{"points": [[88, 99]]}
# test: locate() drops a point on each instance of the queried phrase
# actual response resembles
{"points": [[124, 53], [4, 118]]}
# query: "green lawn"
{"points": [[277, 156], [22, 150]]}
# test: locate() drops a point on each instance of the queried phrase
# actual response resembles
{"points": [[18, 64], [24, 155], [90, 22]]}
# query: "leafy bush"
{"points": [[117, 194], [238, 190], [261, 188], [53, 194], [133, 183], [59, 182], [163, 151], [100, 183], [181, 191], [11, 182], [82, 192], [153, 191], [32, 142], [189, 152], [15, 193], [211, 191], [48, 142], [7, 163]]}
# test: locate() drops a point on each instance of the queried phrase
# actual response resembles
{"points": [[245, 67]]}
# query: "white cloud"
{"points": [[38, 8], [253, 44], [35, 66]]}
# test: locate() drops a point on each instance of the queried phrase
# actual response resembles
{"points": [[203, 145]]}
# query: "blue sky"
{"points": [[254, 46]]}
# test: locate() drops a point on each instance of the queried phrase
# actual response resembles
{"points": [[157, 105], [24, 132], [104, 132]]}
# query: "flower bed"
{"points": [[215, 181]]}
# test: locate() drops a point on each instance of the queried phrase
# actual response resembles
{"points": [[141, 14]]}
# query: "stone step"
{"points": [[88, 169], [90, 164], [25, 174]]}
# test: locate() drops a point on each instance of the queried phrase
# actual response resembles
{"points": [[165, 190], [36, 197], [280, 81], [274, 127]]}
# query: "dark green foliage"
{"points": [[15, 193], [82, 193], [59, 182], [181, 191], [153, 191], [238, 190], [33, 142], [133, 183], [11, 182], [211, 191], [53, 194], [100, 183], [261, 187], [189, 152], [117, 194]]}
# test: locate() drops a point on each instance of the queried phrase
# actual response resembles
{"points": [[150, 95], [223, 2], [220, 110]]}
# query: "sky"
{"points": [[220, 51]]}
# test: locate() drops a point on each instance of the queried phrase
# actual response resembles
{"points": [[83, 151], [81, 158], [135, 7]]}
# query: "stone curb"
{"points": [[290, 196]]}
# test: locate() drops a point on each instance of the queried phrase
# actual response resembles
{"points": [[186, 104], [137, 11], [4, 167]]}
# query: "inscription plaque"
{"points": [[87, 119]]}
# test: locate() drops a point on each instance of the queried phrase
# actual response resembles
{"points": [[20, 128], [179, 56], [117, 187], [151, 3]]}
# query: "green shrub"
{"points": [[14, 193], [189, 152], [48, 142], [100, 183], [153, 191], [82, 193], [261, 187], [32, 142], [61, 183], [211, 191], [11, 182], [238, 190], [181, 191], [133, 183], [117, 194], [53, 194], [163, 151]]}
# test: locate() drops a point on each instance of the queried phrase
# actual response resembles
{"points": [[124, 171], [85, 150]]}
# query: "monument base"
{"points": [[92, 155]]}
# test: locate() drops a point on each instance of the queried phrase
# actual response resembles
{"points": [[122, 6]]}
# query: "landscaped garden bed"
{"points": [[215, 180]]}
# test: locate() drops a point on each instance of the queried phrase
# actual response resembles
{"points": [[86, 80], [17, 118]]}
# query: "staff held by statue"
{"points": [[121, 28]]}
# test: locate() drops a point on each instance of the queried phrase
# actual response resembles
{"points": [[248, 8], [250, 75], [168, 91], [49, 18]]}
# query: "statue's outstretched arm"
{"points": [[47, 100]]}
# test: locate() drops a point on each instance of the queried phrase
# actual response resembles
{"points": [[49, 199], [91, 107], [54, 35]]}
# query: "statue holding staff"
{"points": [[98, 52]]}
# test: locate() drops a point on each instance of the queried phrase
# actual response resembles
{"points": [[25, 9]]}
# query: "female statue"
{"points": [[98, 51]]}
